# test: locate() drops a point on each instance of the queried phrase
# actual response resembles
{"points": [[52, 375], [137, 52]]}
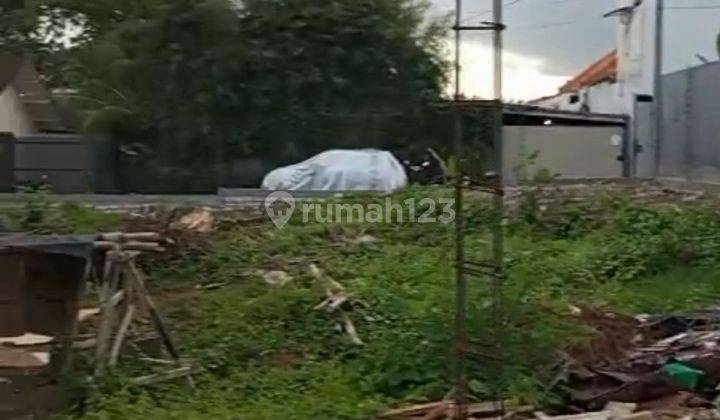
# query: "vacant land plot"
{"points": [[243, 304]]}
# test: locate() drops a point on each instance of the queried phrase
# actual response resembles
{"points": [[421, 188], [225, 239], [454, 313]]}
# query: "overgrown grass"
{"points": [[41, 214], [264, 353]]}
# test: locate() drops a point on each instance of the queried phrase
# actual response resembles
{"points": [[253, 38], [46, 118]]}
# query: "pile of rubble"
{"points": [[667, 365], [632, 368]]}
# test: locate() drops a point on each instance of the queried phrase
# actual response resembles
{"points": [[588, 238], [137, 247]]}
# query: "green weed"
{"points": [[263, 352]]}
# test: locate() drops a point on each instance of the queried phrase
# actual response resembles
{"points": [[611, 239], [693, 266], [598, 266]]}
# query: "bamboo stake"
{"points": [[124, 326], [108, 313]]}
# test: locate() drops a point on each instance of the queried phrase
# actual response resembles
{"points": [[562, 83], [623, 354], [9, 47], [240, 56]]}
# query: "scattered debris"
{"points": [[619, 410], [26, 340], [165, 222], [350, 330], [658, 362], [210, 286], [22, 359], [276, 278], [182, 372], [336, 303], [86, 314], [444, 409], [615, 333], [200, 220], [157, 361], [122, 278], [418, 410], [364, 240], [601, 415], [86, 344]]}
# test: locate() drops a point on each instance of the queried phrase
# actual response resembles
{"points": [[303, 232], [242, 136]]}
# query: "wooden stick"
{"points": [[135, 236], [70, 332], [144, 295], [120, 336], [108, 313], [332, 303], [163, 376], [414, 411], [158, 361], [350, 329], [327, 281], [154, 314], [104, 281], [143, 246], [116, 298], [132, 246], [85, 344]]}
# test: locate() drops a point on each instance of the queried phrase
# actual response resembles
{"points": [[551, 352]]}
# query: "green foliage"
{"points": [[529, 201], [86, 219], [41, 213], [264, 353], [188, 86]]}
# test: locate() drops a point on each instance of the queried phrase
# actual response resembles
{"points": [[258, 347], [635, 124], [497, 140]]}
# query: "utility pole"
{"points": [[658, 86], [497, 50], [458, 39], [498, 237]]}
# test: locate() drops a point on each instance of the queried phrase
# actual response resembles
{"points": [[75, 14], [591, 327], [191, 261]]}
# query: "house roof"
{"points": [[603, 70], [39, 105]]}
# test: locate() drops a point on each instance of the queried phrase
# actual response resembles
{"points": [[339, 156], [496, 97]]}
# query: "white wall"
{"points": [[636, 53], [13, 117], [559, 102], [570, 152], [602, 99], [636, 66]]}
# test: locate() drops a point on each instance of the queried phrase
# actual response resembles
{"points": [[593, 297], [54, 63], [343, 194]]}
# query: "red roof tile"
{"points": [[605, 69]]}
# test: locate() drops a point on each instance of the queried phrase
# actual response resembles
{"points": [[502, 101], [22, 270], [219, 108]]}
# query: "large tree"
{"points": [[193, 84]]}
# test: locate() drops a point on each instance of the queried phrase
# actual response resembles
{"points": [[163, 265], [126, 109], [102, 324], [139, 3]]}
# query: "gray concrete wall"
{"points": [[690, 146], [570, 152]]}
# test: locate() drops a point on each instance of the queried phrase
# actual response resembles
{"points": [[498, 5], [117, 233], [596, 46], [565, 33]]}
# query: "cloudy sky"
{"points": [[548, 41]]}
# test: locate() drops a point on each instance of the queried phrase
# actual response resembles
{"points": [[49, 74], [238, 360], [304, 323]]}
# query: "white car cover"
{"points": [[341, 170]]}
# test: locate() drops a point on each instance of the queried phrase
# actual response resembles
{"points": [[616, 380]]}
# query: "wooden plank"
{"points": [[158, 361], [85, 344], [130, 246], [22, 359], [120, 336], [107, 314], [163, 376], [134, 236], [415, 410], [27, 340]]}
